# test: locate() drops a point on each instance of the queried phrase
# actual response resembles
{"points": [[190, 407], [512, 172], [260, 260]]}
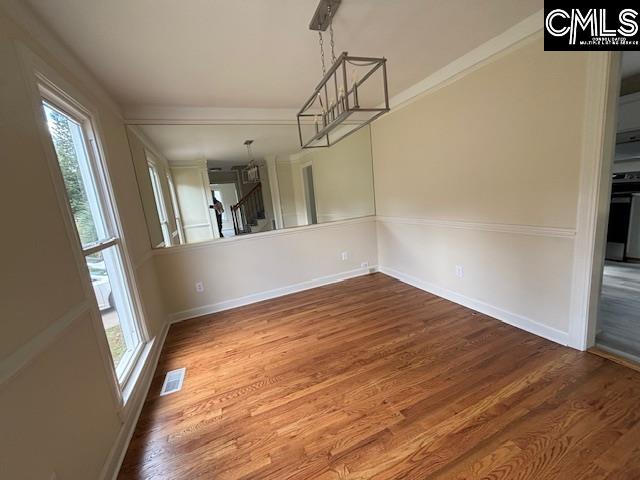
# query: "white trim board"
{"points": [[268, 294], [533, 230], [228, 241], [38, 343], [505, 316], [144, 258], [159, 115], [598, 143], [114, 460]]}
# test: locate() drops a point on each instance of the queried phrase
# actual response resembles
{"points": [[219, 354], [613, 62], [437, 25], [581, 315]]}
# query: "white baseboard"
{"points": [[266, 295], [511, 318], [114, 461]]}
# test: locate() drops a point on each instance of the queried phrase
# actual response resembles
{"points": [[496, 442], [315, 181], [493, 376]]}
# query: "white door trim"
{"points": [[598, 143]]}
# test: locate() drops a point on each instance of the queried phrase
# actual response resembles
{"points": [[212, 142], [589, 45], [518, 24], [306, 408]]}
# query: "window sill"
{"points": [[135, 384]]}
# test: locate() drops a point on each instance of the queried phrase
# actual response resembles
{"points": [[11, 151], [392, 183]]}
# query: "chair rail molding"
{"points": [[517, 229], [36, 345]]}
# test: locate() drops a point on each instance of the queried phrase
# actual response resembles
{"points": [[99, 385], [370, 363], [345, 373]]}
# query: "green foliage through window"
{"points": [[68, 160]]}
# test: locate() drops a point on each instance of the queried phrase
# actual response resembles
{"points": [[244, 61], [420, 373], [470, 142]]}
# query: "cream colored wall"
{"points": [[56, 409], [267, 196], [287, 193], [254, 264], [58, 413], [343, 178], [194, 196], [495, 150]]}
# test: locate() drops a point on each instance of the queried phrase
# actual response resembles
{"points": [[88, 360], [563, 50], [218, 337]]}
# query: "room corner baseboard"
{"points": [[114, 461], [269, 294], [505, 316]]}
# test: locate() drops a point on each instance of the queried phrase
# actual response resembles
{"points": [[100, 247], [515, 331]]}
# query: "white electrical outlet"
{"points": [[345, 255], [459, 271], [364, 265], [199, 287]]}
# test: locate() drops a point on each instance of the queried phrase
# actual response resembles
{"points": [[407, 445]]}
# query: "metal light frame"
{"points": [[336, 109], [343, 105]]}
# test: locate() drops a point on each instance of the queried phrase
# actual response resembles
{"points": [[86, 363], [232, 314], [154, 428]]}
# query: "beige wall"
{"points": [[254, 264], [342, 179], [288, 200], [498, 149], [56, 409]]}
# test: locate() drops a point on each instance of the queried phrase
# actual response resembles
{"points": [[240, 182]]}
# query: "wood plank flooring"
{"points": [[373, 379]]}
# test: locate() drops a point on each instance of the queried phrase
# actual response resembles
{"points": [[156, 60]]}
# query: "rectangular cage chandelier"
{"points": [[352, 93]]}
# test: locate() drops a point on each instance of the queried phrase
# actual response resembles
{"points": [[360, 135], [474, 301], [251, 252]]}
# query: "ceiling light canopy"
{"points": [[351, 94]]}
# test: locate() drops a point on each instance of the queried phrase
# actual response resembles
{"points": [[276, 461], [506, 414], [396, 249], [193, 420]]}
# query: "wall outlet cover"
{"points": [[364, 265], [345, 255], [199, 287]]}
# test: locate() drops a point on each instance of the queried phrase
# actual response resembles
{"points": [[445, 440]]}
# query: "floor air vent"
{"points": [[173, 381]]}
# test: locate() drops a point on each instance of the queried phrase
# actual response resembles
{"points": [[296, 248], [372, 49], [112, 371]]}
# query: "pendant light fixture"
{"points": [[250, 173], [352, 93]]}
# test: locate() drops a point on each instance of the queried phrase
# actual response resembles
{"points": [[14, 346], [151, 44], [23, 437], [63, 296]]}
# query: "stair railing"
{"points": [[247, 210]]}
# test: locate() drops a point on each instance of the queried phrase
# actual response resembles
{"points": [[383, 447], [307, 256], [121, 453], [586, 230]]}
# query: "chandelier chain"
{"points": [[324, 68], [333, 44]]}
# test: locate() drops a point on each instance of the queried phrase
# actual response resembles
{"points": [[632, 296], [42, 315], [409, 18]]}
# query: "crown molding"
{"points": [[158, 115], [485, 53], [479, 56], [46, 40]]}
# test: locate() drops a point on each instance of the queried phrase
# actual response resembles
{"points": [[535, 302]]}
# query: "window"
{"points": [[160, 205], [90, 205], [176, 208]]}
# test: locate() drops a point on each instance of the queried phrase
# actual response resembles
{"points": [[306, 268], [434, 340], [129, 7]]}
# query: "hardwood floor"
{"points": [[373, 379]]}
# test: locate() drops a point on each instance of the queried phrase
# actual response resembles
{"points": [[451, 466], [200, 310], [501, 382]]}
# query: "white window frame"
{"points": [[38, 74], [99, 176], [158, 195], [176, 208]]}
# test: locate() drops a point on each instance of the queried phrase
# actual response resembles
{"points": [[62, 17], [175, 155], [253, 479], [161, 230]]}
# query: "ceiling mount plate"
{"points": [[322, 18]]}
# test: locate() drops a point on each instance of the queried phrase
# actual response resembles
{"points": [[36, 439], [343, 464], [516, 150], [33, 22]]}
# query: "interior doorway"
{"points": [[227, 193], [618, 314], [309, 194]]}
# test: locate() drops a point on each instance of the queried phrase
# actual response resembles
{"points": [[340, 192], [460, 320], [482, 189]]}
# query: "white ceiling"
{"points": [[260, 53], [221, 144]]}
